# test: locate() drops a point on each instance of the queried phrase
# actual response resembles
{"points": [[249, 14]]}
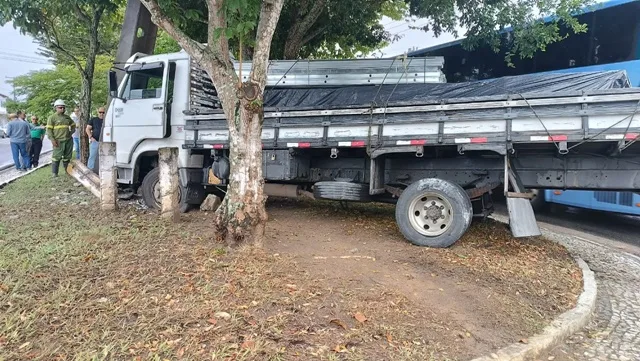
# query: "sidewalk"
{"points": [[9, 172]]}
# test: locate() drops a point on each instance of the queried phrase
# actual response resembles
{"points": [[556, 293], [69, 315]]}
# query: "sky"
{"points": [[18, 53], [410, 38], [17, 56]]}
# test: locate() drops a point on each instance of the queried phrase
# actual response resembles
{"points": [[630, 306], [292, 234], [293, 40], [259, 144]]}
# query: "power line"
{"points": [[397, 26], [393, 21], [18, 60], [6, 53], [413, 28]]}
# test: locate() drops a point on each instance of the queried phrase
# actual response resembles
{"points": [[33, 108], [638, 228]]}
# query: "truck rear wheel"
{"points": [[150, 191], [433, 213]]}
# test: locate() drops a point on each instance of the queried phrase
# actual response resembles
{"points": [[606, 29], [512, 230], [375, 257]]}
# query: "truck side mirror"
{"points": [[113, 84]]}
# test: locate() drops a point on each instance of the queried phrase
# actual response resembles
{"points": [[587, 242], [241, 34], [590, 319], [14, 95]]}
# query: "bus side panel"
{"points": [[609, 201]]}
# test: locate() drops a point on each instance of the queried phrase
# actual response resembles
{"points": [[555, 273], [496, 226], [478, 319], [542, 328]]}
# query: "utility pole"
{"points": [[138, 34]]}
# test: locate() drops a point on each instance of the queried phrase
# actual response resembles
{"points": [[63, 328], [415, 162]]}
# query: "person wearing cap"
{"points": [[60, 128]]}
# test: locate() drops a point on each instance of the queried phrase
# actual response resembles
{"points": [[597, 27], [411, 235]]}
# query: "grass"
{"points": [[79, 284]]}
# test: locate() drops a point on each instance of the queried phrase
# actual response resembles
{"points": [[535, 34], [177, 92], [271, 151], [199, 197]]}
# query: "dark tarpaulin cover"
{"points": [[424, 93]]}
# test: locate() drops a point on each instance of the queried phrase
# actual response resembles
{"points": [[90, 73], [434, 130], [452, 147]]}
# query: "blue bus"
{"points": [[612, 42]]}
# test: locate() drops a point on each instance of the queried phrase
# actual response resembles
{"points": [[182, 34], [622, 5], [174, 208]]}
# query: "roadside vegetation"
{"points": [[79, 284]]}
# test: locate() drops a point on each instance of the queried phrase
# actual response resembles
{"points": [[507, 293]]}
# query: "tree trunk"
{"points": [[242, 215], [87, 84], [85, 113]]}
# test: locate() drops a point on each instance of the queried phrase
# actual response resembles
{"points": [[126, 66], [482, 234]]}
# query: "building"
{"points": [[612, 42]]}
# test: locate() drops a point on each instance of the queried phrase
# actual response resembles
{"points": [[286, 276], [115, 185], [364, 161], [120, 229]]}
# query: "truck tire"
{"points": [[150, 191], [341, 191], [433, 213], [538, 202]]}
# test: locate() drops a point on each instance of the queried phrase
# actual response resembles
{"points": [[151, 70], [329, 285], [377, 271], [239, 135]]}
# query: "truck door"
{"points": [[140, 112]]}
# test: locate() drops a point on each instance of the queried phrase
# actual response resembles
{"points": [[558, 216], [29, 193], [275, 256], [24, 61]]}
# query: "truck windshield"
{"points": [[144, 84]]}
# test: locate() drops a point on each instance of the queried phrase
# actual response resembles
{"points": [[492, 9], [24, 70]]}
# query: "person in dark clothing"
{"points": [[94, 128], [37, 133]]}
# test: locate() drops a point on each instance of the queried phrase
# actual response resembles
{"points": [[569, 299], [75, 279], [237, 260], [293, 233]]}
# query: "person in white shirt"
{"points": [[75, 116]]}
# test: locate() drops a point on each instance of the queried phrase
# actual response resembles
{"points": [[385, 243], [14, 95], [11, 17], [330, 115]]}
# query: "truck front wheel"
{"points": [[150, 191], [433, 213]]}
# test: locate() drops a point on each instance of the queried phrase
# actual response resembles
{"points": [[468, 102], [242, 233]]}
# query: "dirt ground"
{"points": [[329, 284]]}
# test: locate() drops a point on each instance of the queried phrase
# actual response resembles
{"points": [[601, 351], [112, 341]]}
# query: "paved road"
{"points": [[5, 150], [615, 230], [610, 244]]}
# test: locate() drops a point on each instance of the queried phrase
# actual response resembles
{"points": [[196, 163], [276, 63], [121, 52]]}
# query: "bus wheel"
{"points": [[433, 213], [150, 191]]}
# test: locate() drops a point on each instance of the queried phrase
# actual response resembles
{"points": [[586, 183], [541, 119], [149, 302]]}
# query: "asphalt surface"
{"points": [[6, 158], [623, 229]]}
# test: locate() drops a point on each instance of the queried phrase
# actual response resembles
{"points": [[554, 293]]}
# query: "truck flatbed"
{"points": [[601, 115]]}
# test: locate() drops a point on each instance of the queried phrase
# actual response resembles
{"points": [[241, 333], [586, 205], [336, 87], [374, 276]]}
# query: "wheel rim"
{"points": [[156, 193], [430, 214]]}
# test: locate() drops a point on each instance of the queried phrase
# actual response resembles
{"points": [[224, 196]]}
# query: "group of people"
{"points": [[26, 140], [61, 129]]}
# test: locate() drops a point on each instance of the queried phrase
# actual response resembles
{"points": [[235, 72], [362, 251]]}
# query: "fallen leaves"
{"points": [[360, 317], [339, 323], [223, 315], [248, 344]]}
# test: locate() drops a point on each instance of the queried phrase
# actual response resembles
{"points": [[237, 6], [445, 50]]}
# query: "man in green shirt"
{"points": [[60, 128], [37, 133]]}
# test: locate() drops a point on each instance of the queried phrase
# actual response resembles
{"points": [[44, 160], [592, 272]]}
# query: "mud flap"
{"points": [[522, 220]]}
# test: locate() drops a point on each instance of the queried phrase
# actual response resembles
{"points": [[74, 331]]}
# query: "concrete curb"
{"points": [[20, 175], [562, 327], [7, 166]]}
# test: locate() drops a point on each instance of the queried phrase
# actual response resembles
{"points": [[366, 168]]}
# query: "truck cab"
{"points": [[147, 113]]}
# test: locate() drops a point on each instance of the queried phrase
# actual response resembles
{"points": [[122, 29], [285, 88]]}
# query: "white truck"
{"points": [[385, 131]]}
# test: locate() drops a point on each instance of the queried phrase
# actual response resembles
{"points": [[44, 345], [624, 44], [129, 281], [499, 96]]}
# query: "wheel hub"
{"points": [[434, 212], [430, 214]]}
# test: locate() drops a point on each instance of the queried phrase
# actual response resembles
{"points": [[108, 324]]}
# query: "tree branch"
{"points": [[53, 34], [219, 45], [194, 48], [269, 16], [296, 36], [314, 34], [81, 15]]}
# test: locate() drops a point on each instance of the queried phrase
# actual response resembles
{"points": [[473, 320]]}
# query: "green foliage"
{"points": [[483, 21], [354, 26], [62, 26], [165, 44], [41, 88], [346, 29]]}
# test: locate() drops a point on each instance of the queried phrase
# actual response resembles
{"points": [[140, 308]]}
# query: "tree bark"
{"points": [[298, 34], [93, 23], [242, 215], [85, 111]]}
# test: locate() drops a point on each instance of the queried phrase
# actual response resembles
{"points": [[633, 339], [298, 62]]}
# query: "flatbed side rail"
{"points": [[611, 116]]}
